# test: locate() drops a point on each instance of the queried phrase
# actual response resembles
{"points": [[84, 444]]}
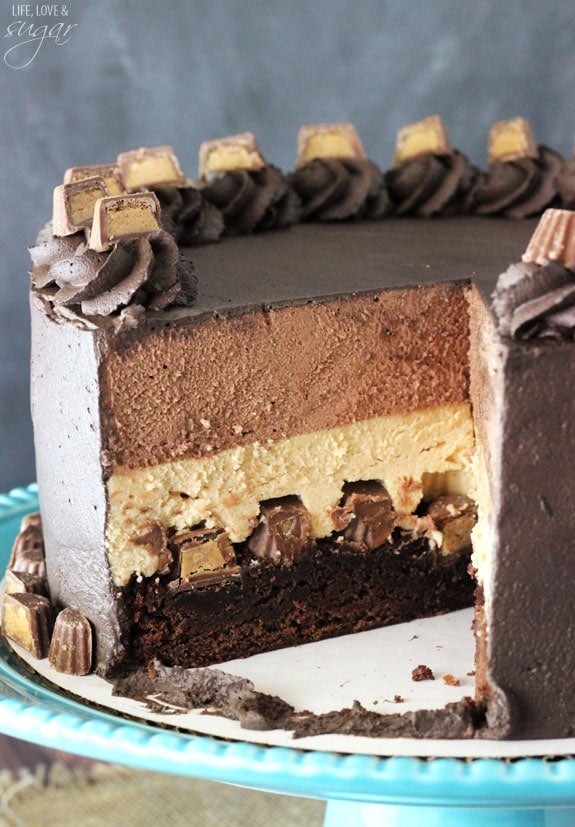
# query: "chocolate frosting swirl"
{"points": [[252, 200], [188, 216], [566, 184], [517, 189], [534, 301], [145, 273], [431, 185], [336, 189]]}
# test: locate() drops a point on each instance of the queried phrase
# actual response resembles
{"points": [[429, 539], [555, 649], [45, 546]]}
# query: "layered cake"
{"points": [[301, 430]]}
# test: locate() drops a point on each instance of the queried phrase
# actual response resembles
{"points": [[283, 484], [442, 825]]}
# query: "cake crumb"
{"points": [[471, 673], [451, 680], [422, 673], [398, 699]]}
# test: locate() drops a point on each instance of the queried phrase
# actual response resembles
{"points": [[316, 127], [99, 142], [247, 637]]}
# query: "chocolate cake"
{"points": [[294, 433]]}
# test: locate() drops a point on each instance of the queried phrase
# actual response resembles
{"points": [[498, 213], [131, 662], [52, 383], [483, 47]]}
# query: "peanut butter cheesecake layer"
{"points": [[294, 400], [224, 491]]}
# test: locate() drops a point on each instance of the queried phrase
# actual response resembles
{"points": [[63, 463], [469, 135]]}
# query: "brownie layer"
{"points": [[335, 589]]}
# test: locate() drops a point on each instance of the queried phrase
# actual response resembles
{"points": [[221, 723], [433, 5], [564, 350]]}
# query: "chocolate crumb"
{"points": [[398, 699], [455, 720], [171, 690], [422, 673]]}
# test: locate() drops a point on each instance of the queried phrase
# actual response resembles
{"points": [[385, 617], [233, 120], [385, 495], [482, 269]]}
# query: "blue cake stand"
{"points": [[361, 790]]}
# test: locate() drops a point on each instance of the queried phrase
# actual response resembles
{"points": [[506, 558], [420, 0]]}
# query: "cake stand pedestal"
{"points": [[361, 790]]}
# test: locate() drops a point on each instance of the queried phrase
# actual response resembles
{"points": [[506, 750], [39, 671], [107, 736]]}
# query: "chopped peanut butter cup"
{"points": [[110, 173], [74, 204], [328, 140], [121, 217], [146, 167], [511, 140], [27, 620], [424, 137], [553, 239], [226, 154]]}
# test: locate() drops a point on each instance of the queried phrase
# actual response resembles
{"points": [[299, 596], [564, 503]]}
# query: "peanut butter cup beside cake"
{"points": [[301, 430]]}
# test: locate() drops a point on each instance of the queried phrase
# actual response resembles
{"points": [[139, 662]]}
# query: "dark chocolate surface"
{"points": [[313, 260]]}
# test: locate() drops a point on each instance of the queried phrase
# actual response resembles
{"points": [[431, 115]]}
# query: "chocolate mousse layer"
{"points": [[207, 385]]}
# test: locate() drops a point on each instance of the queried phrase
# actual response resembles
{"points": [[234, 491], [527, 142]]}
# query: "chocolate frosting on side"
{"points": [[66, 414], [252, 200], [530, 612], [431, 185], [335, 189], [517, 189]]}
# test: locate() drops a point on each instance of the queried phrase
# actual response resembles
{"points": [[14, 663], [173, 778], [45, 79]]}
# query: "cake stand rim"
{"points": [[443, 781]]}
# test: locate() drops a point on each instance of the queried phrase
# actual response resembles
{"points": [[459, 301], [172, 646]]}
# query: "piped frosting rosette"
{"points": [[251, 194], [536, 298], [105, 254], [142, 273], [428, 177], [189, 216], [334, 179], [522, 178]]}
